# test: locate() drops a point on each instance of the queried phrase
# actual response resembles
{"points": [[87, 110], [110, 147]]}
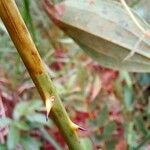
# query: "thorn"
{"points": [[82, 129], [46, 118], [77, 127], [49, 103]]}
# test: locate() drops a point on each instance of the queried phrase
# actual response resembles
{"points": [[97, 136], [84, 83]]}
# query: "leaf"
{"points": [[111, 144], [108, 130], [126, 76], [96, 87], [20, 110], [71, 82], [4, 122], [13, 138], [104, 31], [22, 125], [25, 108], [30, 143], [34, 105], [130, 134], [140, 124], [128, 98], [3, 147], [38, 118], [102, 117], [82, 77]]}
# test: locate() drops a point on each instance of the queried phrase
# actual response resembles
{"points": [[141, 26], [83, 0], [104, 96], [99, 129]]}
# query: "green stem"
{"points": [[23, 42]]}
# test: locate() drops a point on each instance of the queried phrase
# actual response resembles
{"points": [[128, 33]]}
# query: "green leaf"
{"points": [[3, 147], [130, 135], [13, 138], [4, 122], [28, 18], [140, 124], [30, 143], [104, 31], [22, 125], [82, 77], [20, 110], [128, 98], [71, 82], [86, 144], [108, 130], [111, 144], [38, 118], [126, 76], [34, 105], [24, 108], [103, 116]]}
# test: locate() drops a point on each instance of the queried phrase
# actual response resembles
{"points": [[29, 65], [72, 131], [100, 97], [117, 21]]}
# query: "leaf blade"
{"points": [[104, 31]]}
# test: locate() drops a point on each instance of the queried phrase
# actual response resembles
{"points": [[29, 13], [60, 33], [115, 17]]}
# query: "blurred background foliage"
{"points": [[113, 106]]}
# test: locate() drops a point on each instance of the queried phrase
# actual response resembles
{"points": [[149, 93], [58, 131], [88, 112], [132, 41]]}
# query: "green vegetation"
{"points": [[111, 107]]}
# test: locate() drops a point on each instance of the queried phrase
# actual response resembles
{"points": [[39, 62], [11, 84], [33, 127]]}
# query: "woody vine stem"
{"points": [[27, 50]]}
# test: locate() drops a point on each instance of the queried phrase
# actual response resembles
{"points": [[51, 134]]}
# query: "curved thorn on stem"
{"points": [[77, 127], [49, 103]]}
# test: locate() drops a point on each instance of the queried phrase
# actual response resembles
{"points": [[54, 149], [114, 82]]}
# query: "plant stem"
{"points": [[23, 42], [28, 19]]}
